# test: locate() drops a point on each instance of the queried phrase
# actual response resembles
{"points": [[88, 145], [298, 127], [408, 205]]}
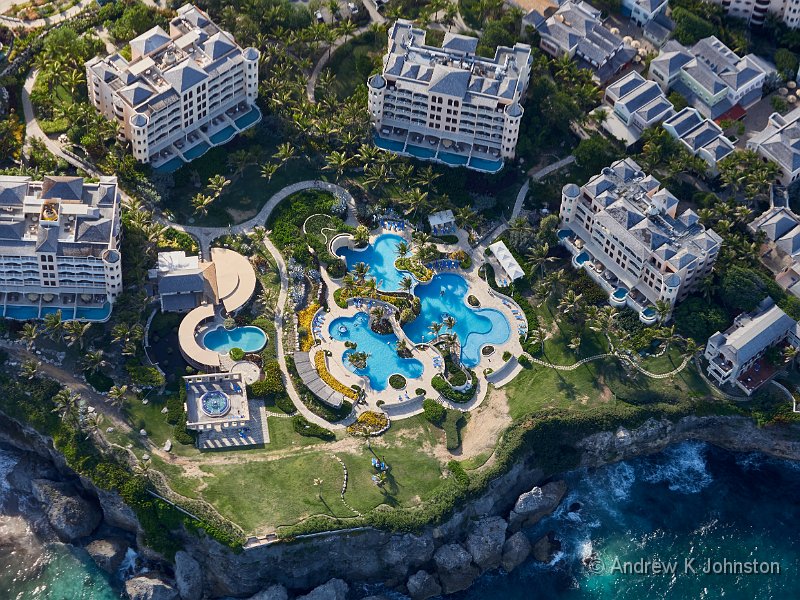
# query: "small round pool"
{"points": [[564, 234], [248, 338], [620, 293], [582, 259], [215, 403]]}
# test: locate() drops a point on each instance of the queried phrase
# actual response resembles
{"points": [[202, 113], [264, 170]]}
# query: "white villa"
{"points": [[182, 282], [779, 142], [635, 104], [181, 93], [448, 104], [59, 247], [625, 231], [700, 136], [755, 12], [735, 356]]}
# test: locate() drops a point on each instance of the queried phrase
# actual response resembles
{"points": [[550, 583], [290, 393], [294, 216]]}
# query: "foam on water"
{"points": [[8, 460], [683, 469]]}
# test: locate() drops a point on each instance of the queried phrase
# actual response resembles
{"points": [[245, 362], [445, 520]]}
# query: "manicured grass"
{"points": [[665, 363], [258, 495], [282, 434], [148, 417]]}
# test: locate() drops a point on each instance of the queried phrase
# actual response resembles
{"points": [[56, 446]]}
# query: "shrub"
{"points": [[285, 404], [174, 408], [306, 428], [144, 375], [433, 411], [419, 391], [99, 380], [524, 360], [446, 390], [453, 423], [367, 423], [458, 472], [506, 356], [457, 378], [397, 382], [473, 301], [236, 354], [304, 318]]}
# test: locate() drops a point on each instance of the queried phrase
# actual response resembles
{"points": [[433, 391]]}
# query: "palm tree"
{"points": [[708, 287], [790, 354], [663, 309], [346, 28], [285, 153], [570, 303], [201, 203], [538, 336], [92, 360], [30, 333], [28, 369], [266, 299], [360, 271], [216, 184], [54, 325], [358, 359], [116, 395], [406, 283], [449, 322], [379, 312], [66, 404], [416, 200], [518, 231], [92, 423], [403, 249], [75, 333], [538, 256], [464, 216], [435, 328], [421, 237], [361, 235], [575, 344], [337, 162], [268, 170]]}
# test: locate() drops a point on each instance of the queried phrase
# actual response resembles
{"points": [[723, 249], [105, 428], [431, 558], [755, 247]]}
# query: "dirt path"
{"points": [[487, 424]]}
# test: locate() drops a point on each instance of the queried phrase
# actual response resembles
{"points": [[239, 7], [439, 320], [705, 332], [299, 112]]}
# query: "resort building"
{"points": [[59, 247], [780, 227], [779, 142], [625, 231], [712, 77], [218, 409], [182, 282], [700, 136], [737, 356], [644, 12], [633, 104], [756, 12], [181, 92], [576, 30], [448, 104]]}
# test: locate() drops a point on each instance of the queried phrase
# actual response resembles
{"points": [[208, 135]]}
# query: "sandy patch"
{"points": [[485, 426], [240, 216]]}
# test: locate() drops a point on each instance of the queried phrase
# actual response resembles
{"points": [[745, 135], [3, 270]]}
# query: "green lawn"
{"points": [[282, 434]]}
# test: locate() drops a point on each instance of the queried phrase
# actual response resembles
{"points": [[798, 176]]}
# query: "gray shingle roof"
{"points": [[67, 188], [184, 77], [450, 81], [460, 43], [149, 41]]}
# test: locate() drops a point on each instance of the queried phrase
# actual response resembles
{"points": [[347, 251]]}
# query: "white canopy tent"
{"points": [[506, 260]]}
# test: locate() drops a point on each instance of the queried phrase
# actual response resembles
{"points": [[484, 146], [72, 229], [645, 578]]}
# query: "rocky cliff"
{"points": [[483, 535]]}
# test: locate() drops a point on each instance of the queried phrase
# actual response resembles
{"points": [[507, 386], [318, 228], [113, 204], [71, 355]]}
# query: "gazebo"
{"points": [[442, 222], [506, 261]]}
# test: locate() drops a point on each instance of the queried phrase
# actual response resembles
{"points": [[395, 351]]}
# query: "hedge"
{"points": [[446, 390], [453, 424], [433, 411], [305, 427]]}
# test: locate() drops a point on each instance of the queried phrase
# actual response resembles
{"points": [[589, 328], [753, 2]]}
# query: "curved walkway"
{"points": [[326, 56], [45, 21], [635, 365]]}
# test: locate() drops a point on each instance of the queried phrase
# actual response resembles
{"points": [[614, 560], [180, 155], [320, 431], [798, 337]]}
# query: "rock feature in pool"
{"points": [[445, 295], [215, 403], [383, 361], [249, 338], [380, 256]]}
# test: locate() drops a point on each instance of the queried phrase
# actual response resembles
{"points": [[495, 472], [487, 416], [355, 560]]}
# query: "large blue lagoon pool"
{"points": [[380, 256], [383, 360], [249, 339], [444, 296]]}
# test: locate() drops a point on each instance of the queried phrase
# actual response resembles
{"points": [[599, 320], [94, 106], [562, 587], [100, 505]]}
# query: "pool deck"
{"points": [[405, 403]]}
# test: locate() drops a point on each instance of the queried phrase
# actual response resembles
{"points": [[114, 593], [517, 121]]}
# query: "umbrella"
{"points": [[791, 85], [86, 297], [636, 44], [32, 297], [783, 91], [627, 39], [48, 297], [791, 99], [615, 31], [642, 51]]}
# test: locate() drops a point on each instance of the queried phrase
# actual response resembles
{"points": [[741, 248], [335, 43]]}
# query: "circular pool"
{"points": [[215, 403], [248, 338]]}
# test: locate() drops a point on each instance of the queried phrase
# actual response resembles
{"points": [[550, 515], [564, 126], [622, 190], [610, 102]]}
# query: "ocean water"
{"points": [[689, 505], [34, 569], [692, 501]]}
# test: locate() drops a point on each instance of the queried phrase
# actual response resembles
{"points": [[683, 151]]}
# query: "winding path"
{"points": [[326, 56], [622, 357]]}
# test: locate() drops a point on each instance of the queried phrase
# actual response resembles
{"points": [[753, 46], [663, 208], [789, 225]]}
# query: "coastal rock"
{"points": [[335, 589], [116, 513], [545, 548], [515, 551], [150, 588], [485, 542], [455, 568], [422, 585], [401, 547], [188, 577], [70, 515], [532, 506], [273, 592], [108, 553]]}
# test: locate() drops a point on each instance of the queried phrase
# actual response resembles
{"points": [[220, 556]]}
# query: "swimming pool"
{"points": [[387, 144], [215, 403], [196, 151], [251, 117], [248, 338], [483, 164], [620, 294], [380, 256], [444, 296], [581, 259], [223, 135], [383, 360], [172, 165]]}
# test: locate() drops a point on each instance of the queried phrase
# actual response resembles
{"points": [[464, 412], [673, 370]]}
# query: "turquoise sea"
{"points": [[692, 501]]}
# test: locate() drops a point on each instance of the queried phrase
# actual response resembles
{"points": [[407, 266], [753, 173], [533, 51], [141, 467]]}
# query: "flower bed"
{"points": [[325, 375], [369, 423], [398, 382], [413, 266], [304, 318]]}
